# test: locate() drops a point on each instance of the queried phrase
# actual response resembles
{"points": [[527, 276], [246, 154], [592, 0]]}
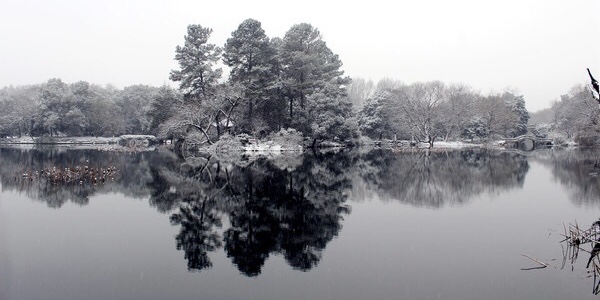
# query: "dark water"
{"points": [[352, 225]]}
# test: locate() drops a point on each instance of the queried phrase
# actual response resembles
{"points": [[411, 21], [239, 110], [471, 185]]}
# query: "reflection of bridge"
{"points": [[527, 143]]}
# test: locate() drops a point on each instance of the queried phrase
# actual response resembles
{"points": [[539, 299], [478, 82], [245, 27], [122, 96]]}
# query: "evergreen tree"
{"points": [[331, 118], [197, 59], [162, 107], [134, 103], [521, 116], [252, 59], [309, 65], [373, 120]]}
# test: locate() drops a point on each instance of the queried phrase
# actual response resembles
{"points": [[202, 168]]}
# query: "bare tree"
{"points": [[388, 84], [457, 112], [359, 90], [495, 114], [211, 117], [575, 115], [420, 104]]}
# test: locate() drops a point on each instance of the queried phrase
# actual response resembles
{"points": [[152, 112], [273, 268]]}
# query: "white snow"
{"points": [[453, 145]]}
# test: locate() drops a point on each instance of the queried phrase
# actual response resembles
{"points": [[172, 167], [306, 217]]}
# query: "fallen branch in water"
{"points": [[542, 264]]}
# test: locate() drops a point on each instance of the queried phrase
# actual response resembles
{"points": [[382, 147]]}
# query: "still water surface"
{"points": [[352, 225]]}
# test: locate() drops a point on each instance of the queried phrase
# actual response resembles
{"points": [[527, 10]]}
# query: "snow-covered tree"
{"points": [[252, 58], [331, 118], [576, 114], [19, 107], [359, 90], [162, 107], [197, 60], [308, 66], [516, 103], [475, 128], [376, 118], [135, 104], [420, 105], [458, 110]]}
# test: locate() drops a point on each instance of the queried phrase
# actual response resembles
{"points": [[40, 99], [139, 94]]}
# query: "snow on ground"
{"points": [[60, 140], [126, 143], [21, 140], [454, 145], [270, 147]]}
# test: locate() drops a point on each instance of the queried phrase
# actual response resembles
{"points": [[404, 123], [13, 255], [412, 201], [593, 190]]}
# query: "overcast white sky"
{"points": [[539, 48]]}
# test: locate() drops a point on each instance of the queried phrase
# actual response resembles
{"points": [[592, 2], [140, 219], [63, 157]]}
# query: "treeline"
{"points": [[273, 83], [297, 82], [574, 117], [80, 109], [425, 111]]}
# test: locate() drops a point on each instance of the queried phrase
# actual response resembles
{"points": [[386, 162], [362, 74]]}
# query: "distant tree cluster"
{"points": [[573, 117], [82, 109], [424, 111]]}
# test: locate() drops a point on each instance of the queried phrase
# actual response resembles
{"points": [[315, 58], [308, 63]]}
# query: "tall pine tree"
{"points": [[309, 66], [197, 59], [252, 59]]}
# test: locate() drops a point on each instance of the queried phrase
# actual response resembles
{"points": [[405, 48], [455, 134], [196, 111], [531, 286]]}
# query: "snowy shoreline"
{"points": [[60, 140], [131, 142], [147, 142]]}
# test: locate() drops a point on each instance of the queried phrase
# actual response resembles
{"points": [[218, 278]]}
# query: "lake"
{"points": [[361, 224]]}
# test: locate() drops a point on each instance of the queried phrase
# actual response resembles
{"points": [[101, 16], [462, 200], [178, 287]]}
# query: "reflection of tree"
{"points": [[54, 195], [189, 188], [20, 170], [163, 174], [435, 178], [292, 211], [579, 171], [197, 237], [252, 236]]}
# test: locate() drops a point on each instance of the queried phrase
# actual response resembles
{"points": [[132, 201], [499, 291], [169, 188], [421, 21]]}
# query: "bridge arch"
{"points": [[527, 143]]}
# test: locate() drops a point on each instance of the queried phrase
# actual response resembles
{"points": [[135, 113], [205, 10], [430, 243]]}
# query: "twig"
{"points": [[543, 264]]}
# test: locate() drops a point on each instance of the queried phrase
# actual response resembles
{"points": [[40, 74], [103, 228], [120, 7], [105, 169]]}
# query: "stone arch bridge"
{"points": [[528, 143]]}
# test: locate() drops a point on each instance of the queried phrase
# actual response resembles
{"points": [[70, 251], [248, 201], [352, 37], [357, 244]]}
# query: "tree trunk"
{"points": [[250, 114], [431, 139], [218, 125], [291, 108]]}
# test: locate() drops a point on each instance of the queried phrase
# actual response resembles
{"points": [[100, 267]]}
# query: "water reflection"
{"points": [[289, 206], [271, 208], [433, 179], [578, 170], [197, 236], [17, 162]]}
